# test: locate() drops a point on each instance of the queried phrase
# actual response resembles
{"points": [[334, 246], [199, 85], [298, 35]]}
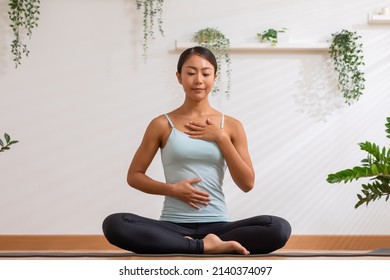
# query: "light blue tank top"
{"points": [[184, 158]]}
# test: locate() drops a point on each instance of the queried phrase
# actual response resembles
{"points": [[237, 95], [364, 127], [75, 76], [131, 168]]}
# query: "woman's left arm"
{"points": [[233, 144]]}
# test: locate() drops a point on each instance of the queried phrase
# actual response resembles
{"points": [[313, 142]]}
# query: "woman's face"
{"points": [[197, 77]]}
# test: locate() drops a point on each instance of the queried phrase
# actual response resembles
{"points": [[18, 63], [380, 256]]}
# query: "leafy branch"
{"points": [[151, 8], [375, 166], [24, 16], [4, 145], [347, 55]]}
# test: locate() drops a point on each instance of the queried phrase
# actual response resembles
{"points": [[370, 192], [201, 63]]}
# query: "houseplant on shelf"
{"points": [[270, 35], [375, 166], [150, 9], [219, 44], [4, 145], [24, 16], [347, 55]]}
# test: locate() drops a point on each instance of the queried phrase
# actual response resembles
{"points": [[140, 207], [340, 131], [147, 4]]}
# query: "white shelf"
{"points": [[265, 47], [375, 18]]}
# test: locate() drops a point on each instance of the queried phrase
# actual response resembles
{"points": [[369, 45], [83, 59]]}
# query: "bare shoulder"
{"points": [[235, 129], [158, 130], [159, 122], [232, 123]]}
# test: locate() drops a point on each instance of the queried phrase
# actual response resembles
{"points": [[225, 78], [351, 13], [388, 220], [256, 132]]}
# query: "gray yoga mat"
{"points": [[381, 252]]}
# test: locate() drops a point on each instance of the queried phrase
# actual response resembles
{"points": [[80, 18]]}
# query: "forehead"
{"points": [[198, 62]]}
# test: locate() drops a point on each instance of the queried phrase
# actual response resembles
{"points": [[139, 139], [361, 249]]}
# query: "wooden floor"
{"points": [[124, 255]]}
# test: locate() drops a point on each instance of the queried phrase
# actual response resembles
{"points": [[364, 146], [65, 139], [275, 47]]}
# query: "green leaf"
{"points": [[374, 169], [332, 178], [7, 137]]}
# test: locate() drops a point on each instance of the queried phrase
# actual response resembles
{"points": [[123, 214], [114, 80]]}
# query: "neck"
{"points": [[195, 108]]}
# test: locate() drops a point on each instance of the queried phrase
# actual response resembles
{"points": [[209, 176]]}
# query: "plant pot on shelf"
{"points": [[273, 36]]}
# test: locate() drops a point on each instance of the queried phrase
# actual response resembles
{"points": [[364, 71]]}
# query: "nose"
{"points": [[198, 78]]}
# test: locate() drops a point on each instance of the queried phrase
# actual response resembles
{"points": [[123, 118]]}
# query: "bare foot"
{"points": [[214, 245]]}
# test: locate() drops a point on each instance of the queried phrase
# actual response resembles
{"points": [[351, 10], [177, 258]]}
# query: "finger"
{"points": [[195, 126], [193, 205], [202, 202], [194, 180], [194, 133], [202, 195]]}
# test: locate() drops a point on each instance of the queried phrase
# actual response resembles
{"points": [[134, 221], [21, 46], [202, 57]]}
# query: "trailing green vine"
{"points": [[150, 9], [5, 145], [375, 166], [217, 42], [24, 16], [347, 55]]}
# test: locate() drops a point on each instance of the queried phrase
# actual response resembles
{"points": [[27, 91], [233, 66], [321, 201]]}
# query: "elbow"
{"points": [[130, 179], [246, 188], [248, 184]]}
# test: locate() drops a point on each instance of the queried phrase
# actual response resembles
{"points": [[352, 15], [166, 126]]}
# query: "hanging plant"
{"points": [[151, 9], [217, 42], [24, 16], [376, 167], [4, 145], [348, 57]]}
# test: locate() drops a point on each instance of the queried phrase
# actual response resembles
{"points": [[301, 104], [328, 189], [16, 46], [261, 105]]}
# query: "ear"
{"points": [[178, 75]]}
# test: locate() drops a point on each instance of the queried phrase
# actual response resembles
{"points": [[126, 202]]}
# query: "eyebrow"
{"points": [[204, 68]]}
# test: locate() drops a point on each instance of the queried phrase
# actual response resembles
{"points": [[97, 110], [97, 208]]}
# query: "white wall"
{"points": [[80, 103]]}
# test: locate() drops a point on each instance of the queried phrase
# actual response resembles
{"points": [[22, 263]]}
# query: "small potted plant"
{"points": [[375, 166], [347, 55], [271, 35], [219, 44]]}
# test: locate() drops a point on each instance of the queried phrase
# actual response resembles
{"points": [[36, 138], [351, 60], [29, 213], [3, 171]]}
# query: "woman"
{"points": [[197, 144]]}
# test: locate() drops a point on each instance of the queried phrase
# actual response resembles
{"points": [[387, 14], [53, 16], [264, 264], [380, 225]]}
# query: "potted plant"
{"points": [[24, 16], [5, 145], [375, 166], [270, 35], [347, 55], [150, 9], [219, 44]]}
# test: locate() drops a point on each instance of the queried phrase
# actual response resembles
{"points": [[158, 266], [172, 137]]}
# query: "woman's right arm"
{"points": [[137, 178]]}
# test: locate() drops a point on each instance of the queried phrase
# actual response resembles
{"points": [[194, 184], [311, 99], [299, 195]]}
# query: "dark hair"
{"points": [[198, 50]]}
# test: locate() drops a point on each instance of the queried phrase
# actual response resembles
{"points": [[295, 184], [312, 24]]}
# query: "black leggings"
{"points": [[259, 235]]}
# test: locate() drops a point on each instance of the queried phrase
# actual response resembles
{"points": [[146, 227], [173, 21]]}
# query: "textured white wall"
{"points": [[80, 103]]}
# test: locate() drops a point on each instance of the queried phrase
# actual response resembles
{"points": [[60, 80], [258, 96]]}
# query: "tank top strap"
{"points": [[222, 121], [169, 120]]}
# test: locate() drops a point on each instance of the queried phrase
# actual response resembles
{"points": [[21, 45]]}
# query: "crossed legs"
{"points": [[256, 235]]}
